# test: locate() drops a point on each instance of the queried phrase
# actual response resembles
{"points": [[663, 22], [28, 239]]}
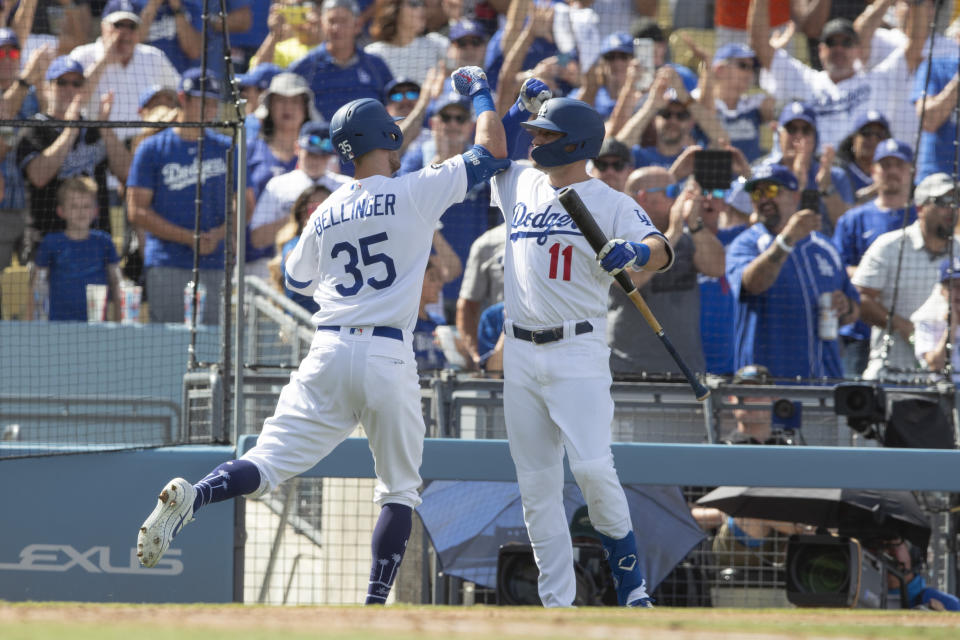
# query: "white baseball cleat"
{"points": [[174, 509], [639, 598]]}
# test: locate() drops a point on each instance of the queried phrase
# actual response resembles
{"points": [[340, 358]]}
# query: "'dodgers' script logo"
{"points": [[60, 558]]}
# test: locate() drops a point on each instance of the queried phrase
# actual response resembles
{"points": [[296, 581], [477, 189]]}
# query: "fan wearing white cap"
{"points": [[127, 68], [906, 261]]}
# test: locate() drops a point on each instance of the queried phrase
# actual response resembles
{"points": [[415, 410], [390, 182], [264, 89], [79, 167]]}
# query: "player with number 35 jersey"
{"points": [[362, 255]]}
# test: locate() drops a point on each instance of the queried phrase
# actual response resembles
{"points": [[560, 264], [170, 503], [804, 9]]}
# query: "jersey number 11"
{"points": [[555, 254]]}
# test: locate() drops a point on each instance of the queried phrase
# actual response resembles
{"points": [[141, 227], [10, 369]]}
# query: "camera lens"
{"points": [[783, 409], [821, 569], [857, 401]]}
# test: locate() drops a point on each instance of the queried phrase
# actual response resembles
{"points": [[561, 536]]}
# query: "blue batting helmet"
{"points": [[581, 124], [361, 126]]}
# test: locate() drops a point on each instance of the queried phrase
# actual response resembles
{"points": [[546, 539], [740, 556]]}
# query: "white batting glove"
{"points": [[533, 93]]}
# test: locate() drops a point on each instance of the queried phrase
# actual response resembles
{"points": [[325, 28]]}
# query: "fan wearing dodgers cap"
{"points": [[798, 134], [859, 227], [906, 261], [777, 270], [315, 156], [742, 114], [49, 155], [161, 193], [119, 63], [338, 71]]}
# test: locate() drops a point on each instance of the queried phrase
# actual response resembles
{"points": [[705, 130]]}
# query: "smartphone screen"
{"points": [[294, 15], [713, 168], [643, 51], [810, 199]]}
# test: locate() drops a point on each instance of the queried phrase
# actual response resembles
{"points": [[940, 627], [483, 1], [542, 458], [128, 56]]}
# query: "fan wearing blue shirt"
{"points": [[251, 85], [937, 95], [176, 28], [161, 201], [859, 227], [338, 71], [77, 256], [777, 270]]}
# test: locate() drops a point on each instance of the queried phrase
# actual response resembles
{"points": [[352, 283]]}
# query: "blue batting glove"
{"points": [[618, 254], [469, 81], [533, 93]]}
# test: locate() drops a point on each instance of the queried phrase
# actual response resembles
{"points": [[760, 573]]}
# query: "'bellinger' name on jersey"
{"points": [[551, 273], [363, 252]]}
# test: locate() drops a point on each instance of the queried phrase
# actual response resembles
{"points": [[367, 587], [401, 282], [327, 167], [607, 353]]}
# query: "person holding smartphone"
{"points": [[777, 270]]}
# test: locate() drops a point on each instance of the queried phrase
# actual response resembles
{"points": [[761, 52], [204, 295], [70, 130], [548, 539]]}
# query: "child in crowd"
{"points": [[78, 256]]}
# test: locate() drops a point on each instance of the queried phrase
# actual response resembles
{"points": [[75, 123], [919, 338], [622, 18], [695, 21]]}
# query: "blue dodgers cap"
{"points": [[315, 137], [891, 148], [192, 84], [62, 65], [466, 27], [734, 50], [797, 111], [117, 10], [617, 42], [948, 270], [148, 94], [8, 38], [772, 173], [871, 116]]}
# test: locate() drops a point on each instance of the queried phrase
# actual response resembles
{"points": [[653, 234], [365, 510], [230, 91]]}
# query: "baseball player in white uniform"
{"points": [[556, 360], [362, 256]]}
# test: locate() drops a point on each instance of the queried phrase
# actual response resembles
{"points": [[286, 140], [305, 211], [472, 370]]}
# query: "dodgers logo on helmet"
{"points": [[581, 125], [361, 126]]}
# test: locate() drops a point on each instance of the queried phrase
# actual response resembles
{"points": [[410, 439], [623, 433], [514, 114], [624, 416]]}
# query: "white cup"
{"points": [[96, 302]]}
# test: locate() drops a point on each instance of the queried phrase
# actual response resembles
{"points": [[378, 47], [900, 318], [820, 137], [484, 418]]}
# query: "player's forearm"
{"points": [[490, 134], [659, 253]]}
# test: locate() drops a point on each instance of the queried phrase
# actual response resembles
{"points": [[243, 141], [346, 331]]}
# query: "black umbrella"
{"points": [[864, 513]]}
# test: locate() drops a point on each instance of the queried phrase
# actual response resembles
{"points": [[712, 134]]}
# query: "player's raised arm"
{"points": [[472, 82]]}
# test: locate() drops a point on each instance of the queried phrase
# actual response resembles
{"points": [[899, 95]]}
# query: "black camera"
{"points": [[830, 571], [864, 405], [517, 576], [785, 415]]}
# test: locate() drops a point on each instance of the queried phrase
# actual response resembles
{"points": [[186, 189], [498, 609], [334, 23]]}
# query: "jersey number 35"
{"points": [[354, 258]]}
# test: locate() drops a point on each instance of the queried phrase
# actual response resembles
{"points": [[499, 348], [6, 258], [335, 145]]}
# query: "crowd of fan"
{"points": [[840, 119]]}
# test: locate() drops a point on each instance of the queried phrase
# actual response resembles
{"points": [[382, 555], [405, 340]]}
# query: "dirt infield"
{"points": [[39, 621]]}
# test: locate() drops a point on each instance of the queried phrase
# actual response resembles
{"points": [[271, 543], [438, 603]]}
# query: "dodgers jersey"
{"points": [[551, 273], [363, 252]]}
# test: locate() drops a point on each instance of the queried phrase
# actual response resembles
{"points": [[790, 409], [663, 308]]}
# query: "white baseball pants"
{"points": [[349, 377], [557, 396]]}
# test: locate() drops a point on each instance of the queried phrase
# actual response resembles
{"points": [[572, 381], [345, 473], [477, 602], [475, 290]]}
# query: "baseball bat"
{"points": [[571, 201]]}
